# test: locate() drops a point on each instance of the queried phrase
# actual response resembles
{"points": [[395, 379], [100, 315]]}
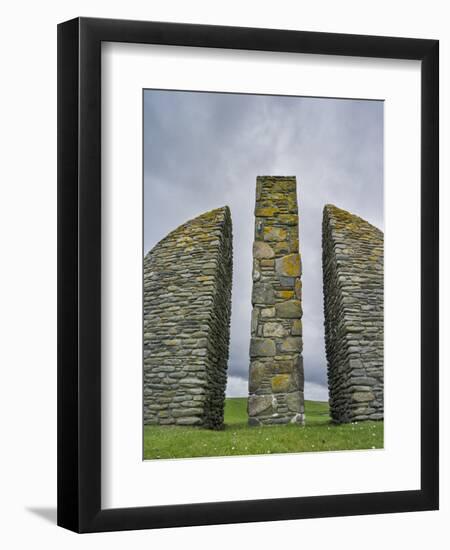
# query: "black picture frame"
{"points": [[79, 274]]}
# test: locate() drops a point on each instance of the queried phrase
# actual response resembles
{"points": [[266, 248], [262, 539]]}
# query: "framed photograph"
{"points": [[247, 274]]}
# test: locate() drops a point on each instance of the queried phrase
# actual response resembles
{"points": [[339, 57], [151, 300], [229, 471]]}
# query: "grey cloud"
{"points": [[204, 150]]}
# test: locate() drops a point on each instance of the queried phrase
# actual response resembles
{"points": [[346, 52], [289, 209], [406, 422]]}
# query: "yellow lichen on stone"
{"points": [[285, 294], [272, 233], [297, 327], [282, 247], [265, 212], [288, 219], [183, 241], [376, 255], [288, 266], [281, 383]]}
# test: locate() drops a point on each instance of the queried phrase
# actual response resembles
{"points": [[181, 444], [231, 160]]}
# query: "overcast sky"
{"points": [[204, 150]]}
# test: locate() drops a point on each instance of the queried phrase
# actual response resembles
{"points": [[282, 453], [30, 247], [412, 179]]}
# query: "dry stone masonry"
{"points": [[187, 307], [352, 258], [276, 367]]}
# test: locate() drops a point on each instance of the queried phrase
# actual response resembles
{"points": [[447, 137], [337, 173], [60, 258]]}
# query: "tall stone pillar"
{"points": [[187, 308], [276, 367], [352, 256]]}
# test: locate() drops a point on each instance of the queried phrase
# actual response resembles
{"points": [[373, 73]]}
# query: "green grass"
{"points": [[319, 434]]}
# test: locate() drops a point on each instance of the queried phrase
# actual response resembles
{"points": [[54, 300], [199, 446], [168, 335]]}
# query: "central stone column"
{"points": [[276, 367]]}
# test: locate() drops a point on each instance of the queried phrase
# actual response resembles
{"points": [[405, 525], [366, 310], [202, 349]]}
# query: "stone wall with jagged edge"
{"points": [[187, 308], [276, 368], [352, 261]]}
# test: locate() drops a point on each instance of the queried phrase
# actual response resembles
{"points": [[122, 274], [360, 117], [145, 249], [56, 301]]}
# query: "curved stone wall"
{"points": [[352, 260], [276, 367], [187, 307]]}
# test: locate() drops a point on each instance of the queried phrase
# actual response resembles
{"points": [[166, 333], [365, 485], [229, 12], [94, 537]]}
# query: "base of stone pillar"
{"points": [[298, 419]]}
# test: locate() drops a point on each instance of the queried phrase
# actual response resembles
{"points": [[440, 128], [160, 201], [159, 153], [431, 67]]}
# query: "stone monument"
{"points": [[276, 369], [187, 308], [352, 258]]}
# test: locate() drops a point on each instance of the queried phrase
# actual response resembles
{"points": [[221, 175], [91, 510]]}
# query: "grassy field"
{"points": [[319, 434]]}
